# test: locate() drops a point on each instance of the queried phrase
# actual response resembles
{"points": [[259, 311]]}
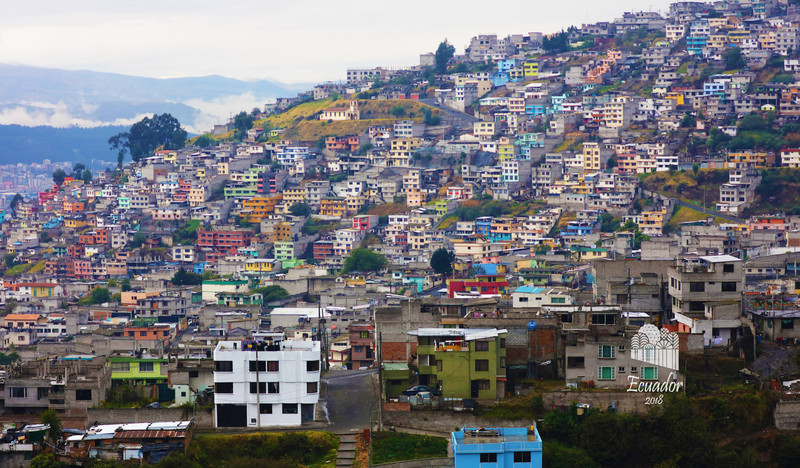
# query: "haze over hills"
{"points": [[78, 102]]}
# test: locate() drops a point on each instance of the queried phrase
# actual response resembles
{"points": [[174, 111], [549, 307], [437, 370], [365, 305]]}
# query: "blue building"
{"points": [[483, 226], [502, 447]]}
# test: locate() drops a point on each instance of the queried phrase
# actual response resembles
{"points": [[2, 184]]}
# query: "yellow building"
{"points": [[335, 207], [591, 157], [257, 208], [294, 195], [260, 265], [530, 69], [222, 168]]}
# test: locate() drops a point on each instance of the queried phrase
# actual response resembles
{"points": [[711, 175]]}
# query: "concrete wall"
{"points": [[422, 463], [787, 415], [624, 401], [442, 421], [203, 418]]}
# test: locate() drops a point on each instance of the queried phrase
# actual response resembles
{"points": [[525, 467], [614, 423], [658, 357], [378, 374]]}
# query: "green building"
{"points": [[463, 362], [396, 377], [146, 371]]}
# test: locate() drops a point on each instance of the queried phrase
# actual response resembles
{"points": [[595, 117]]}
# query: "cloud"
{"points": [[55, 115], [220, 110]]}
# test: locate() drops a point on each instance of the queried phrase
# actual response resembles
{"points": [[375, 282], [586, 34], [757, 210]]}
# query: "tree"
{"points": [[733, 59], [300, 209], [50, 416], [45, 460], [442, 261], [58, 176], [203, 141], [398, 111], [138, 239], [556, 43], [272, 293], [184, 278], [442, 57], [147, 135], [97, 296], [12, 205], [86, 176], [243, 122], [363, 259], [125, 285]]}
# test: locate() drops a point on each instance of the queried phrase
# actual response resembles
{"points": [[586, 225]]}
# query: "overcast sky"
{"points": [[291, 41]]}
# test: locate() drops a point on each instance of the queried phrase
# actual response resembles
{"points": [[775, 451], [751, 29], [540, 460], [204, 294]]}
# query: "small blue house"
{"points": [[502, 447]]}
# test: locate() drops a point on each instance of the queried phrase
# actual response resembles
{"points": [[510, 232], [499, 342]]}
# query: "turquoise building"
{"points": [[501, 447]]}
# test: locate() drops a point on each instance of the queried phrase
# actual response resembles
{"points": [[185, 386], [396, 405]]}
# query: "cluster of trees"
{"points": [[556, 43], [79, 172], [147, 135], [683, 432], [755, 131], [185, 278], [97, 296], [363, 259]]}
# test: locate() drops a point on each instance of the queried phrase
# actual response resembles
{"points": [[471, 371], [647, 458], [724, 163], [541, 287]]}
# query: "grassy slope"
{"points": [[301, 123], [686, 185]]}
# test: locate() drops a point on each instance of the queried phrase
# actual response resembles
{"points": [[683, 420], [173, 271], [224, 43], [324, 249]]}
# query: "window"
{"points": [[312, 366], [311, 387], [481, 346], [523, 299], [193, 374], [364, 334], [488, 458], [649, 373], [634, 369], [223, 387], [142, 333], [481, 365], [522, 457], [575, 362], [606, 373], [259, 366], [223, 366], [265, 408], [145, 367], [566, 318], [556, 300], [697, 286], [621, 348], [18, 392], [729, 286], [120, 367], [621, 369], [290, 408], [83, 394], [728, 268], [787, 324], [606, 352], [42, 392], [603, 319], [258, 387], [697, 306], [274, 387], [483, 384], [272, 366]]}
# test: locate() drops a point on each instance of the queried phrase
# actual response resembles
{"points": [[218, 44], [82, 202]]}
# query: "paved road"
{"points": [[775, 360], [699, 208], [351, 399], [464, 119]]}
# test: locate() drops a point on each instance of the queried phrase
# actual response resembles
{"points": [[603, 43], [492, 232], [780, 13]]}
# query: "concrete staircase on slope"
{"points": [[347, 450]]}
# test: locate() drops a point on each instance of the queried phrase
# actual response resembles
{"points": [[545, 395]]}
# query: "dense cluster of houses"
{"points": [[563, 264]]}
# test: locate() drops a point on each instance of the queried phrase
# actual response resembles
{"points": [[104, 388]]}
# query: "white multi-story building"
{"points": [[266, 381]]}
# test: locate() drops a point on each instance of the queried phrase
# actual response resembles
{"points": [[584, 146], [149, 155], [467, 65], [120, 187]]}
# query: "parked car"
{"points": [[417, 389]]}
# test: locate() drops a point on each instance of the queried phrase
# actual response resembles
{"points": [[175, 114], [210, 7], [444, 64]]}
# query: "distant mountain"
{"points": [[43, 97], [86, 145]]}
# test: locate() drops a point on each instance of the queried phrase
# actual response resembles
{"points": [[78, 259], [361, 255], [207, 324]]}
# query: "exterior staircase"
{"points": [[347, 450]]}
